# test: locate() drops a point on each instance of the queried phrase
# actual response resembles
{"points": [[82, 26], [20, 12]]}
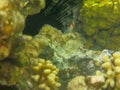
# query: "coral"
{"points": [[17, 48], [30, 48], [12, 74], [23, 66], [111, 65], [56, 37], [61, 44], [101, 18], [40, 74], [77, 83], [21, 52], [12, 22], [106, 76], [33, 47], [107, 65], [45, 75], [51, 33], [11, 27]]}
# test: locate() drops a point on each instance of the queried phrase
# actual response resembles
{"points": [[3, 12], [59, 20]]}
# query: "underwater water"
{"points": [[59, 45]]}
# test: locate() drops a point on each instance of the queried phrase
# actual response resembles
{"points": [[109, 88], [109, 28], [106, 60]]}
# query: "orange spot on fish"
{"points": [[72, 24]]}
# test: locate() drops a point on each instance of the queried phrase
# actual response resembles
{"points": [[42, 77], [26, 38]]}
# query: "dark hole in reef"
{"points": [[35, 22], [58, 13], [5, 87]]}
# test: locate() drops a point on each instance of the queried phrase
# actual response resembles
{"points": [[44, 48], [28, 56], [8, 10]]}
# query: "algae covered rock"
{"points": [[101, 23], [62, 44]]}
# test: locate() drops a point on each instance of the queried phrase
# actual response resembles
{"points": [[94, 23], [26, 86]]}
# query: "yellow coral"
{"points": [[112, 70], [116, 55], [101, 19], [45, 75], [12, 21]]}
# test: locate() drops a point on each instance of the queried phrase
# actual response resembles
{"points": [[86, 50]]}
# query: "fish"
{"points": [[71, 27]]}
